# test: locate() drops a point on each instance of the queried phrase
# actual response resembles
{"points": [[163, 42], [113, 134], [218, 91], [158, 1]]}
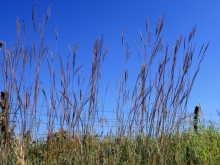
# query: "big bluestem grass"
{"points": [[150, 133]]}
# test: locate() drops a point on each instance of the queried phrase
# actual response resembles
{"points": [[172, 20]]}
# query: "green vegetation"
{"points": [[156, 129], [186, 148]]}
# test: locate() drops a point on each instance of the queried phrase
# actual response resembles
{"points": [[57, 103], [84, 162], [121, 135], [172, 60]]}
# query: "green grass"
{"points": [[184, 148]]}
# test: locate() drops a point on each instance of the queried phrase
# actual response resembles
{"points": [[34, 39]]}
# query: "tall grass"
{"points": [[151, 132]]}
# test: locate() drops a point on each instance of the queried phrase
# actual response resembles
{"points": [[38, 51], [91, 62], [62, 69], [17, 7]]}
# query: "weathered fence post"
{"points": [[4, 119], [196, 117]]}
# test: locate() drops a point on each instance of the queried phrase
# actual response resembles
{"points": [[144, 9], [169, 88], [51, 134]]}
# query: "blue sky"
{"points": [[85, 20]]}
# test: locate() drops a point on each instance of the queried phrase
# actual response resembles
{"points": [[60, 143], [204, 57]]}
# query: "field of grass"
{"points": [[162, 133], [185, 148]]}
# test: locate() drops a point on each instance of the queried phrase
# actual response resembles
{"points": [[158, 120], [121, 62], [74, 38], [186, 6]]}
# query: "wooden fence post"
{"points": [[196, 118], [5, 124]]}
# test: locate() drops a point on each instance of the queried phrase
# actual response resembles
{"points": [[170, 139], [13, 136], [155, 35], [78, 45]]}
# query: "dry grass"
{"points": [[19, 152], [150, 134]]}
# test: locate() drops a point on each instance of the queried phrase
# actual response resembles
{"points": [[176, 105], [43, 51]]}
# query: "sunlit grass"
{"points": [[155, 134], [186, 148]]}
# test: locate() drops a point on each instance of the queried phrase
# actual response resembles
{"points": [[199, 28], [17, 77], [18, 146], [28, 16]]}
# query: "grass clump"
{"points": [[150, 115]]}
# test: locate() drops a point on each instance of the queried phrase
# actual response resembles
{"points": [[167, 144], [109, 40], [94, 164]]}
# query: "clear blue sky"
{"points": [[85, 20]]}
